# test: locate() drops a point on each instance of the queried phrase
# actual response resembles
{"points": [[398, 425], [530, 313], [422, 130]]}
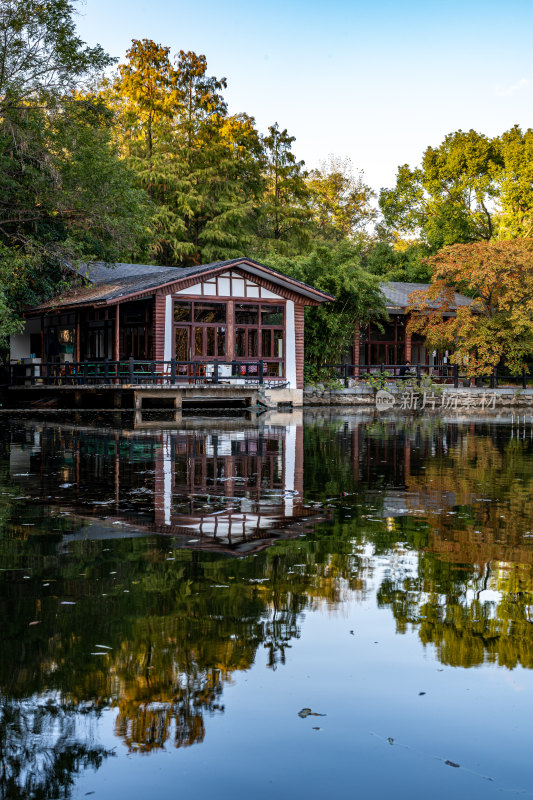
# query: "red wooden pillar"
{"points": [[230, 331], [299, 341], [116, 341], [78, 341], [356, 351], [408, 342], [159, 327]]}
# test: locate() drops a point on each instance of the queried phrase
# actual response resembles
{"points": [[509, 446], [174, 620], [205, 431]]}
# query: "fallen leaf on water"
{"points": [[420, 694], [37, 622], [452, 764], [306, 712], [316, 729], [390, 740]]}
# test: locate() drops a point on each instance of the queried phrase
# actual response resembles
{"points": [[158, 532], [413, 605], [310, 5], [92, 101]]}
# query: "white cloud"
{"points": [[505, 91]]}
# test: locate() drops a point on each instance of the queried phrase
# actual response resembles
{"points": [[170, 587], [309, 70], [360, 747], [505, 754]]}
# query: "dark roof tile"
{"points": [[110, 282], [397, 293]]}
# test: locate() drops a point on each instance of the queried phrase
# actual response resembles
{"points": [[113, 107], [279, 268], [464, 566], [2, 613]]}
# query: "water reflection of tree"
{"points": [[178, 631], [40, 749], [478, 510]]}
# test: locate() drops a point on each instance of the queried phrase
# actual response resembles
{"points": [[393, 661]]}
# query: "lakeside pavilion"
{"points": [[234, 312]]}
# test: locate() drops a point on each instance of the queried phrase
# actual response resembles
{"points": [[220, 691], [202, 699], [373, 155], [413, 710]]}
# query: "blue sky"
{"points": [[377, 82]]}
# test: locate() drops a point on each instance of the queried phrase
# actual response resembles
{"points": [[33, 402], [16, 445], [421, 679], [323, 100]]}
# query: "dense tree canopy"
{"points": [[200, 166], [64, 191], [470, 188]]}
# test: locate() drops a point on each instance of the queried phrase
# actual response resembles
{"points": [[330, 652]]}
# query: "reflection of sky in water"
{"points": [[393, 593]]}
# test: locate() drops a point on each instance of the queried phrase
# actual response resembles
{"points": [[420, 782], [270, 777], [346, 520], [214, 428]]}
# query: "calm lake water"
{"points": [[291, 606]]}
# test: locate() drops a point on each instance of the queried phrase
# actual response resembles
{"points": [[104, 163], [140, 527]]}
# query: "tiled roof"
{"points": [[397, 293], [113, 282], [99, 272]]}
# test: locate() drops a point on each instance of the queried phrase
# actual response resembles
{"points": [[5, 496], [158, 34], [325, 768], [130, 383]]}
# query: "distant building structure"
{"points": [[395, 344]]}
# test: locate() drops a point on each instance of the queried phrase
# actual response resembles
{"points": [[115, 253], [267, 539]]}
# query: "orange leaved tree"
{"points": [[498, 322]]}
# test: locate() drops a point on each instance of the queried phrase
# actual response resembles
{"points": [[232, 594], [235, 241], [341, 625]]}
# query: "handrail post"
{"points": [[86, 371], [418, 374], [493, 379], [261, 372], [106, 370], [131, 369], [456, 376], [152, 372], [346, 376], [173, 370], [496, 377], [215, 371]]}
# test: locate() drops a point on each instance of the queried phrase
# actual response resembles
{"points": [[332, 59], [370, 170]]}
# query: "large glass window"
{"points": [[246, 314], [272, 315], [259, 333], [136, 330], [385, 345], [182, 312], [210, 313], [200, 330]]}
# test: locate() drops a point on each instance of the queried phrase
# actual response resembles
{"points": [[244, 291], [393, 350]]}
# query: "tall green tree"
{"points": [[144, 99], [516, 188], [40, 54], [452, 197], [285, 212], [200, 166], [219, 166], [340, 200], [64, 193]]}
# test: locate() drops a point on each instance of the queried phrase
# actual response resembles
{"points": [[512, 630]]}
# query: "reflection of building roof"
{"points": [[397, 294], [110, 283]]}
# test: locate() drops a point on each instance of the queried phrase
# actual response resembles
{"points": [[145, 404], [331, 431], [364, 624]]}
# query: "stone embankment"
{"points": [[436, 398]]}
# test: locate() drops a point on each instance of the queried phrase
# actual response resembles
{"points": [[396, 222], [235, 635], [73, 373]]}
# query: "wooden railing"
{"points": [[450, 374], [152, 372], [135, 372]]}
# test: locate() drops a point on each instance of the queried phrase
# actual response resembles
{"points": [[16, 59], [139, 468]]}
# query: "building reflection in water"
{"points": [[233, 485]]}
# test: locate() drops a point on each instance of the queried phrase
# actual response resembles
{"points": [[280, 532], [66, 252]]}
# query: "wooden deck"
{"points": [[135, 396]]}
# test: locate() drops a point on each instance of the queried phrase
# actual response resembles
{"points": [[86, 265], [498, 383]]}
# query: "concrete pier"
{"points": [[140, 396]]}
